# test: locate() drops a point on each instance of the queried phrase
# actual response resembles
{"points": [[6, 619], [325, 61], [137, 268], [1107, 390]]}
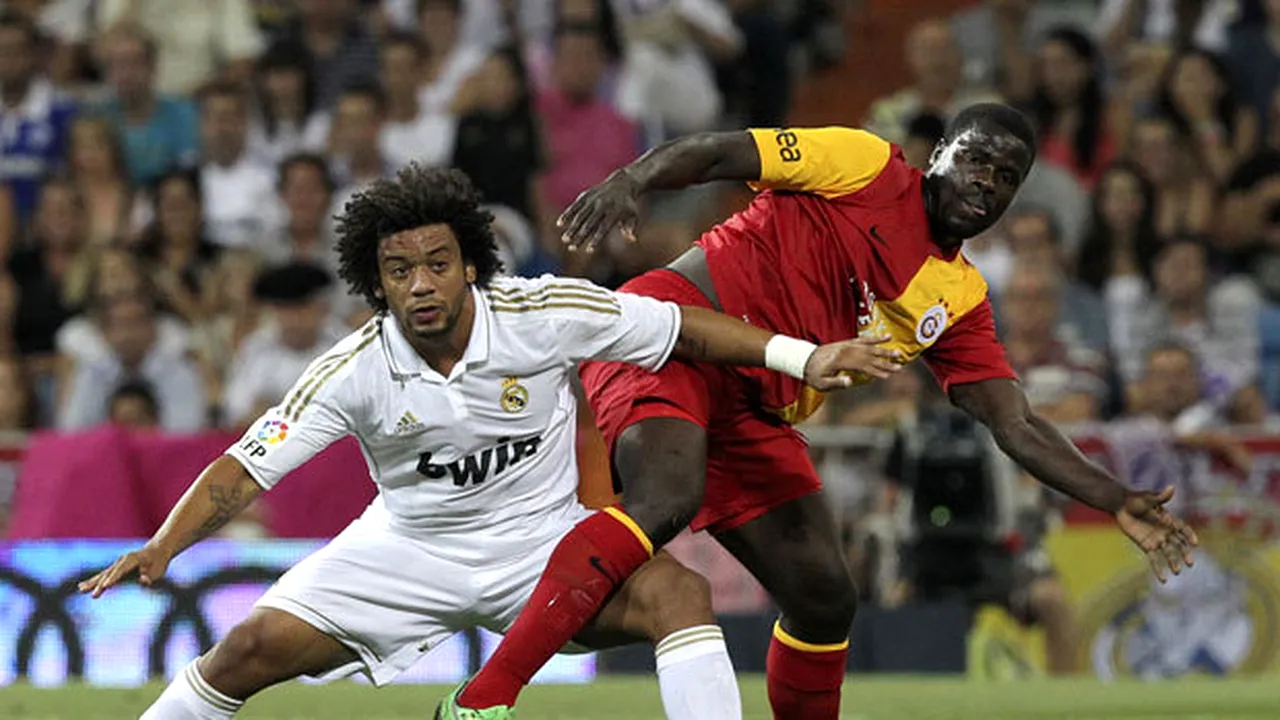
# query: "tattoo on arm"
{"points": [[227, 502], [691, 347]]}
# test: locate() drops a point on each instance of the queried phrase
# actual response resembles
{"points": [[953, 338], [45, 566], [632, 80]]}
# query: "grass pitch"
{"points": [[637, 699]]}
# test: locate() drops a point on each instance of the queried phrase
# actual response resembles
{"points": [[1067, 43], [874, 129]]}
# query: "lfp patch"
{"points": [[273, 432]]}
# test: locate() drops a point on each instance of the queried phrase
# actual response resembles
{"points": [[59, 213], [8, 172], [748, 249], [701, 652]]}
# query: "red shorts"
{"points": [[755, 461]]}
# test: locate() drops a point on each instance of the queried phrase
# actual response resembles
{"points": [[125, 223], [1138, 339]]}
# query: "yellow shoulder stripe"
{"points": [[305, 391]]}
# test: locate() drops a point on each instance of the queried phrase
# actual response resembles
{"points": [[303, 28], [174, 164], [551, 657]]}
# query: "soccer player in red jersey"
{"points": [[844, 237]]}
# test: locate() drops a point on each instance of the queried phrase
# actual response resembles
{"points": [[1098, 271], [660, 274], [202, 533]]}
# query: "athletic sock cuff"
{"points": [[209, 693], [799, 645], [695, 642], [618, 514]]}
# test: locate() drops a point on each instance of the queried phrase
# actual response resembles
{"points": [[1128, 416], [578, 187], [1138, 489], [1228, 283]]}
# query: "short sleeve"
{"points": [[309, 418], [619, 327], [829, 161], [969, 351]]}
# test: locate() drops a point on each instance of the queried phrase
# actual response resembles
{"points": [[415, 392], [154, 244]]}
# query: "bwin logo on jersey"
{"points": [[474, 469]]}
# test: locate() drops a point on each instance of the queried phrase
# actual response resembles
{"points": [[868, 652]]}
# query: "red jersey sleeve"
{"points": [[969, 351]]}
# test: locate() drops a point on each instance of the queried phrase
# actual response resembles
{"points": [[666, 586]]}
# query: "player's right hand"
{"points": [[830, 366], [149, 562], [598, 210]]}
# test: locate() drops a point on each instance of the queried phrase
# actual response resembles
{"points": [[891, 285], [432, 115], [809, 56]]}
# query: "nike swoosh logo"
{"points": [[875, 233], [598, 564]]}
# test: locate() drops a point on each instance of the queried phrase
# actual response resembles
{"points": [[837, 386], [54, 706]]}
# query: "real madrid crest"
{"points": [[515, 397]]}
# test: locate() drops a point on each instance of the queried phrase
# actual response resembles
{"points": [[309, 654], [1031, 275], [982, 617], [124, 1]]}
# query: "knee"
{"points": [[254, 643], [671, 598], [662, 466], [826, 615]]}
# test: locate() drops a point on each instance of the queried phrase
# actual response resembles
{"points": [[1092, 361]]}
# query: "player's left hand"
{"points": [[1166, 540], [830, 365]]}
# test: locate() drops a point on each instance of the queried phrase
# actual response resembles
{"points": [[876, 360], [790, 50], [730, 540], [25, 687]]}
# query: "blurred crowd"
{"points": [[170, 169]]}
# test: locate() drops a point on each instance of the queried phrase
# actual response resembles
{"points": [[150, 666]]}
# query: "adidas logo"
{"points": [[408, 423]]}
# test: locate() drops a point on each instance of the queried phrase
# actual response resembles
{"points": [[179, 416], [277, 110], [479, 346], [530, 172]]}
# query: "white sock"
{"points": [[696, 676], [191, 697]]}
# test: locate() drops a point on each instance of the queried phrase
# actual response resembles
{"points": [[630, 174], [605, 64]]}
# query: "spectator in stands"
{"points": [[1071, 113], [937, 88], [1254, 63], [175, 247], [1198, 98], [114, 273], [498, 143], [450, 59], [411, 132], [1218, 322], [1202, 23], [357, 158], [596, 16], [1034, 335], [288, 119], [230, 316], [340, 50], [130, 329], [36, 118], [668, 81], [97, 164], [1122, 240], [924, 132], [158, 130], [17, 407], [51, 274], [133, 406], [64, 25], [1034, 240], [1184, 189], [198, 41], [235, 187], [298, 328], [574, 116], [306, 190]]}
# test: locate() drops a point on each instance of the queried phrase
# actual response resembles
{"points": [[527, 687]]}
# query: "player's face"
{"points": [[976, 175], [425, 280]]}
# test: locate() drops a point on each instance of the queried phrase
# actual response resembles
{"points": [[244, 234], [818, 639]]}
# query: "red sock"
{"points": [[804, 679], [586, 567]]}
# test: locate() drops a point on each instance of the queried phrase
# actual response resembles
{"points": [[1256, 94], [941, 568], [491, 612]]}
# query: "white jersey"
{"points": [[490, 447]]}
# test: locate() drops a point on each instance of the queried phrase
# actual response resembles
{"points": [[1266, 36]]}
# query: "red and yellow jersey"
{"points": [[838, 244]]}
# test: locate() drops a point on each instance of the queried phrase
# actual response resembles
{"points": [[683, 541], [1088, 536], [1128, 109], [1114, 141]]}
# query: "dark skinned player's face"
{"points": [[975, 176], [425, 281]]}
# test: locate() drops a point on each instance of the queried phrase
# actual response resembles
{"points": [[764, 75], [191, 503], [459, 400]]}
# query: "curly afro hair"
{"points": [[418, 196]]}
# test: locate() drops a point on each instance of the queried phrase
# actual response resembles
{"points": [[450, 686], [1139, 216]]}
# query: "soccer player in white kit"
{"points": [[459, 393]]}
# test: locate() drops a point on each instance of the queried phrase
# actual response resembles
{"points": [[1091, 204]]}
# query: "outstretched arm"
{"points": [[1040, 448], [714, 337], [1035, 444], [829, 162], [675, 164], [219, 494]]}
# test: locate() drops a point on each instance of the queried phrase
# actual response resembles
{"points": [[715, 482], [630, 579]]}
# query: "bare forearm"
{"points": [[695, 159], [218, 495], [1054, 460], [710, 336]]}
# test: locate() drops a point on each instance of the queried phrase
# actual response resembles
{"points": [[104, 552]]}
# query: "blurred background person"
{"points": [[157, 130], [129, 327], [298, 327]]}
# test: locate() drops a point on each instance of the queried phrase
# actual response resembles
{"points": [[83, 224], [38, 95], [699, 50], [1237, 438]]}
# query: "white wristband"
{"points": [[788, 355]]}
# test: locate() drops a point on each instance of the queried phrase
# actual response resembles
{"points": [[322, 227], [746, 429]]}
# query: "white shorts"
{"points": [[391, 597]]}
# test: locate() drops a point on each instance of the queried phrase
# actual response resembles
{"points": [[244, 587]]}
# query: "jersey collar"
{"points": [[406, 362]]}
